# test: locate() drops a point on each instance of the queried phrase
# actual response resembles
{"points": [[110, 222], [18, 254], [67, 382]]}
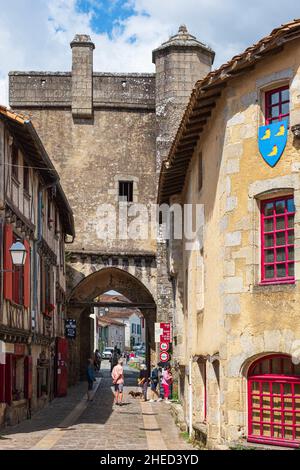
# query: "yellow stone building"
{"points": [[237, 320]]}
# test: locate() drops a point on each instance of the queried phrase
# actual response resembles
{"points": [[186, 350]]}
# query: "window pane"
{"points": [[290, 205], [280, 206], [277, 429], [275, 111], [285, 108], [280, 238], [291, 269], [269, 225], [255, 386], [276, 369], [269, 208], [269, 240], [285, 95], [280, 254], [274, 98], [291, 221], [291, 237], [288, 433], [269, 256], [269, 272], [287, 388], [291, 253], [281, 270], [280, 224]]}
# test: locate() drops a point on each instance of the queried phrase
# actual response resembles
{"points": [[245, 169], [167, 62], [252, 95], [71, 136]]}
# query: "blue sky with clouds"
{"points": [[35, 34], [106, 14]]}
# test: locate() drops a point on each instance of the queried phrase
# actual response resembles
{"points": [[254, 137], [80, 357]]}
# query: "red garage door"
{"points": [[274, 401]]}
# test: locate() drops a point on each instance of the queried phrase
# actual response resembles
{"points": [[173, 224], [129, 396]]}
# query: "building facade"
{"points": [[110, 333], [237, 332], [107, 134], [34, 210]]}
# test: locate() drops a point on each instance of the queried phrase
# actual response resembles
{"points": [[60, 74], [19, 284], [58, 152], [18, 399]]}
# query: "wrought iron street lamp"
{"points": [[18, 253]]}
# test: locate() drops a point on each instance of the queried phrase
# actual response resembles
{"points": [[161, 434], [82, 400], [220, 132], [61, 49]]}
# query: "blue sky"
{"points": [[36, 34], [106, 14]]}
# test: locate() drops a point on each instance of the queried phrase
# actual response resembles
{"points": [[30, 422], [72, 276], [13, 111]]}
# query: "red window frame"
{"points": [[275, 410], [288, 259], [269, 106]]}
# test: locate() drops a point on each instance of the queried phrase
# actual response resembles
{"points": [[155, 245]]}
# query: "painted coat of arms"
{"points": [[272, 141]]}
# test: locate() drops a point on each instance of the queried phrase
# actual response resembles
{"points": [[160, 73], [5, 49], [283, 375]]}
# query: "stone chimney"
{"points": [[179, 63], [82, 76]]}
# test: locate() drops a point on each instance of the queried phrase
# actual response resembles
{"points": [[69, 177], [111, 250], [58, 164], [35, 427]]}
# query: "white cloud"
{"points": [[35, 34]]}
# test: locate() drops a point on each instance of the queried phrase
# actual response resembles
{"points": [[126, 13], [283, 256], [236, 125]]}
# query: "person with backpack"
{"points": [[154, 378]]}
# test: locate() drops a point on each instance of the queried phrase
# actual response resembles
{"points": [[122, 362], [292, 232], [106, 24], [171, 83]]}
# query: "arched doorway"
{"points": [[274, 401], [79, 308]]}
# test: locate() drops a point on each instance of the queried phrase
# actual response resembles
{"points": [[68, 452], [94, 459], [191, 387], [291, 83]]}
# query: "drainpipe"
{"points": [[190, 398]]}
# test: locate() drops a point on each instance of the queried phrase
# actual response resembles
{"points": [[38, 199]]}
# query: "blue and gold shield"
{"points": [[272, 141]]}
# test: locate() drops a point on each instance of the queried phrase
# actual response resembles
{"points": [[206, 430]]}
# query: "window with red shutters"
{"points": [[27, 287], [8, 266], [277, 105], [274, 401], [277, 240]]}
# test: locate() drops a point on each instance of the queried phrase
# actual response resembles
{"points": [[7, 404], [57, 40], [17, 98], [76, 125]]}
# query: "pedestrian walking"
{"points": [[118, 382], [114, 358], [167, 380], [97, 360], [154, 378], [90, 378], [143, 381]]}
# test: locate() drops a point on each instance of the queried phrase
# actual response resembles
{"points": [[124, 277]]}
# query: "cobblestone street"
{"points": [[73, 423]]}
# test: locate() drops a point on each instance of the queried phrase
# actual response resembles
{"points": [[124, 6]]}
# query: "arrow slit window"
{"points": [[277, 240], [277, 105]]}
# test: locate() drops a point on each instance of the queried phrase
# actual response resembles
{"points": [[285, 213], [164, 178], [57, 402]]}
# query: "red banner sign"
{"points": [[166, 335]]}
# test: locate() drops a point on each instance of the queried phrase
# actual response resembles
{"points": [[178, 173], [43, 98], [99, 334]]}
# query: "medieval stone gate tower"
{"points": [[107, 135]]}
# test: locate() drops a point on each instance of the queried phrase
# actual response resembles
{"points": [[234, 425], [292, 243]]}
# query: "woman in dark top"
{"points": [[143, 380], [90, 378]]}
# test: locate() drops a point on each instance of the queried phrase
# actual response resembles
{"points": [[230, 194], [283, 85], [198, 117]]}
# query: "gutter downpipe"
{"points": [[190, 398]]}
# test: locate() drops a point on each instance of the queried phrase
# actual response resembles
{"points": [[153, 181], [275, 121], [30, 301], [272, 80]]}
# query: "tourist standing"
{"points": [[118, 382], [154, 377], [167, 380]]}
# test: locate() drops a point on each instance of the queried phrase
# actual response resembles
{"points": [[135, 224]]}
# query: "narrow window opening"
{"points": [[126, 191]]}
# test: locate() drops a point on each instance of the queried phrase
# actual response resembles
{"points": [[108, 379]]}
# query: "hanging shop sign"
{"points": [[70, 329]]}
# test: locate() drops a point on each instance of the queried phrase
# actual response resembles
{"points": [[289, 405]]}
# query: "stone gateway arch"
{"points": [[137, 284]]}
